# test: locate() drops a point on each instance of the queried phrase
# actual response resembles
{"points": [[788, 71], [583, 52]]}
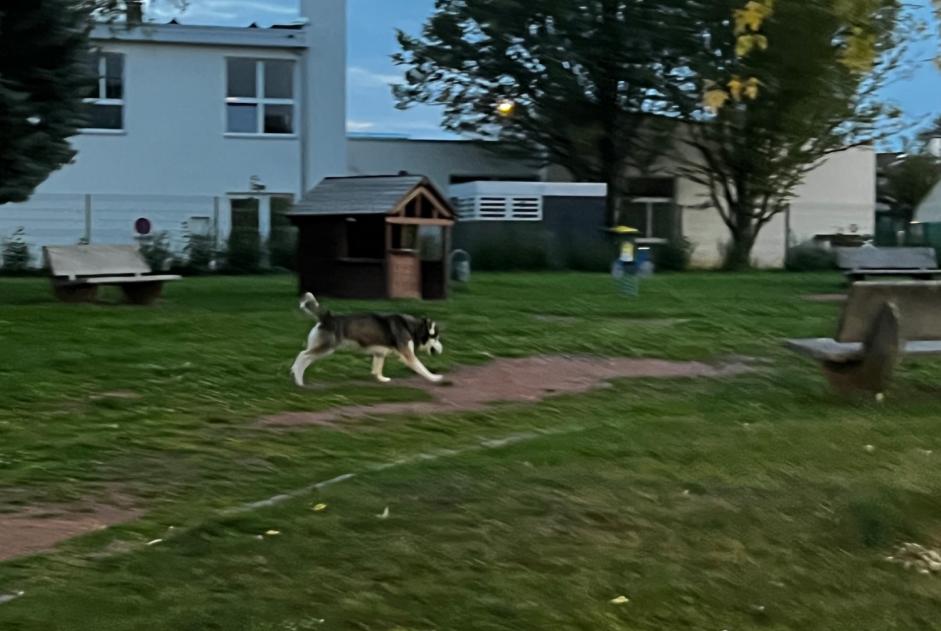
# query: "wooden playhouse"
{"points": [[374, 237]]}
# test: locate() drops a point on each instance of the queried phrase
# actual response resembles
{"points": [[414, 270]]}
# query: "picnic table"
{"points": [[870, 261], [78, 271], [880, 323]]}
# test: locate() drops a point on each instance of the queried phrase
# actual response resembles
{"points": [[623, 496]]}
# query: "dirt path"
{"points": [[529, 379], [37, 529]]}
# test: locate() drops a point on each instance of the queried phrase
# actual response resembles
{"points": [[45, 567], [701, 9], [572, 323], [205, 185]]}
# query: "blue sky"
{"points": [[372, 41]]}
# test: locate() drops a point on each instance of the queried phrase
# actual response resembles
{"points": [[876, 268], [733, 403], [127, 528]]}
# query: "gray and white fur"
{"points": [[375, 334]]}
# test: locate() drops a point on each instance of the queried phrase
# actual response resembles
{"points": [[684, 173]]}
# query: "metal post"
{"points": [[87, 237], [215, 222]]}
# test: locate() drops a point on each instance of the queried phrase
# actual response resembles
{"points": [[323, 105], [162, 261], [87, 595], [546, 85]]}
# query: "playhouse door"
{"points": [[404, 275]]}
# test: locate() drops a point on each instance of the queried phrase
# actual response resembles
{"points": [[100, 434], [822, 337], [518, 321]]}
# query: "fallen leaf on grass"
{"points": [[320, 508], [272, 533], [620, 600], [5, 598], [385, 514], [154, 542]]}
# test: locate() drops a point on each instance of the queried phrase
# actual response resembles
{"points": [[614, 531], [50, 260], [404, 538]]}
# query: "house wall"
{"points": [[839, 196], [439, 160], [174, 160]]}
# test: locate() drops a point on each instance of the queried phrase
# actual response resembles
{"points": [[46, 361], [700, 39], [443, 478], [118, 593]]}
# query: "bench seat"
{"points": [[908, 272], [79, 270], [828, 349], [120, 280]]}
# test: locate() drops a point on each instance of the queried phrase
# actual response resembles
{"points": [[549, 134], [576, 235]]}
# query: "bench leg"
{"points": [[142, 293], [75, 293], [874, 371]]}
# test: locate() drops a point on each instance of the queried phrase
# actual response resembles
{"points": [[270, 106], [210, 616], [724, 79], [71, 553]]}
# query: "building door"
{"points": [[404, 263]]}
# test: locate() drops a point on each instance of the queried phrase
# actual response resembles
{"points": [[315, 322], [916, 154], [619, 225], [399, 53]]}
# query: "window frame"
{"points": [[260, 101], [102, 91]]}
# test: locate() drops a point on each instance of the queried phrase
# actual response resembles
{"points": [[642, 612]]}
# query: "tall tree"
{"points": [[42, 81], [786, 84], [907, 183], [575, 83]]}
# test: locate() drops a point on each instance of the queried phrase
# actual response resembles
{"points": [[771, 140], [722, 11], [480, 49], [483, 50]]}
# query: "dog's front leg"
{"points": [[378, 361], [412, 361]]}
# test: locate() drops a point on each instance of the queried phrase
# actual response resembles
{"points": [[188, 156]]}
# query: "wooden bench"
{"points": [[77, 272], [868, 261], [881, 322]]}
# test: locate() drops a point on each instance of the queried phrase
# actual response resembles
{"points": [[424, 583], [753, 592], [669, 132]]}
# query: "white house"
{"points": [[195, 127]]}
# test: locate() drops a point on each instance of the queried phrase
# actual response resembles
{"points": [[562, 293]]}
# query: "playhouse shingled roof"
{"points": [[361, 195]]}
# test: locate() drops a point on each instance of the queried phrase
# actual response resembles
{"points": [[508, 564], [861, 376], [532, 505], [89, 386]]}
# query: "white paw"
{"points": [[435, 378], [382, 379]]}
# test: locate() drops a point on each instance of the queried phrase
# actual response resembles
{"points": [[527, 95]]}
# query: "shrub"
{"points": [[243, 254], [16, 255], [512, 249], [809, 257], [588, 255], [156, 251], [282, 248], [674, 256], [199, 254]]}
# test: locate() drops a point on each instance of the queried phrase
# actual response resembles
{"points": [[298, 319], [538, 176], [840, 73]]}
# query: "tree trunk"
{"points": [[612, 199], [744, 234]]}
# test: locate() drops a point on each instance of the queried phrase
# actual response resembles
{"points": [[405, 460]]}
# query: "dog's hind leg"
{"points": [[317, 348], [412, 361], [303, 362], [378, 361]]}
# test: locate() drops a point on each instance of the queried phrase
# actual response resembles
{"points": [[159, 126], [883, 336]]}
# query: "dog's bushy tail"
{"points": [[310, 306]]}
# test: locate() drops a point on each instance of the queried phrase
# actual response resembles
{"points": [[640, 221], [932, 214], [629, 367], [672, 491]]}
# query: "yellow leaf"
{"points": [[272, 533], [620, 600], [751, 88], [751, 17], [715, 98], [744, 45], [761, 42], [735, 88], [320, 507]]}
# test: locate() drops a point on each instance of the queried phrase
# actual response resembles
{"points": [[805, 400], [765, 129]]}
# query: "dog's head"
{"points": [[428, 337]]}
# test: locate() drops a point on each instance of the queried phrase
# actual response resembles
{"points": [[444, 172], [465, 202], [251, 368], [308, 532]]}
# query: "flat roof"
{"points": [[289, 36], [542, 189]]}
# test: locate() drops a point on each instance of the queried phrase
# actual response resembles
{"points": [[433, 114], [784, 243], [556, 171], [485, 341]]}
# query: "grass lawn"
{"points": [[745, 503]]}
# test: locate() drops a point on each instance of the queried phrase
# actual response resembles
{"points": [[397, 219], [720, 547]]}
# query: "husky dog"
{"points": [[374, 334]]}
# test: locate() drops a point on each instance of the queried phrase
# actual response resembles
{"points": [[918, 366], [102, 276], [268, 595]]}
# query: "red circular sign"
{"points": [[142, 226]]}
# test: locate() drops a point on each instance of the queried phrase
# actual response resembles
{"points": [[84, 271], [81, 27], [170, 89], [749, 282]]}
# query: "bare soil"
{"points": [[40, 528], [524, 380]]}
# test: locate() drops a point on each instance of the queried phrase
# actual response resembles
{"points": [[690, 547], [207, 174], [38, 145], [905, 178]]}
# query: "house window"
{"points": [[105, 104], [259, 96], [653, 217], [500, 208]]}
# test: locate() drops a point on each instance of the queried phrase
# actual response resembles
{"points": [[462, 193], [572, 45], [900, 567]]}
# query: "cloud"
{"points": [[240, 12], [360, 77]]}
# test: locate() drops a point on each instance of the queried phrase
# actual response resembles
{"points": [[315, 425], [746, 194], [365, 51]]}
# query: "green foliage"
{"points": [[43, 79], [810, 257], [282, 248], [512, 249], [156, 251], [199, 254], [674, 256], [243, 252], [15, 252], [907, 182]]}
